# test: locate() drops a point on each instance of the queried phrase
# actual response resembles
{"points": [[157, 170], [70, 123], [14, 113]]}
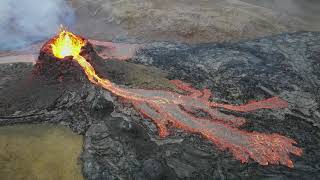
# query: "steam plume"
{"points": [[25, 21]]}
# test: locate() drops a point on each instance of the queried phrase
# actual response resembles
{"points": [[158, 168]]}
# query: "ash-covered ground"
{"points": [[119, 144], [193, 22]]}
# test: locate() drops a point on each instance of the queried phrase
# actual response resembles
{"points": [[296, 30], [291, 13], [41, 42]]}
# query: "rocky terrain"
{"points": [[119, 144], [190, 21]]}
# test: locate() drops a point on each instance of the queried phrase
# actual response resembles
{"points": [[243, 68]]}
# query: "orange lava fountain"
{"points": [[66, 44], [165, 107]]}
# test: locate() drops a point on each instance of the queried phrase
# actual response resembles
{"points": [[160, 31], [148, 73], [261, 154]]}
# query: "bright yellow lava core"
{"points": [[66, 44]]}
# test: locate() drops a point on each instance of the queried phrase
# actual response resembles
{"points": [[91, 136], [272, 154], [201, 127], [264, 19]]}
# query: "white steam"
{"points": [[25, 21]]}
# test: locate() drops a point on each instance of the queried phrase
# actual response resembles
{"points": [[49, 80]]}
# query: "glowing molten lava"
{"points": [[167, 108], [66, 44]]}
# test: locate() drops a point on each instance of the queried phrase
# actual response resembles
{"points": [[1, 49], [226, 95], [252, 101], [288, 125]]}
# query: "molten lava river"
{"points": [[165, 107]]}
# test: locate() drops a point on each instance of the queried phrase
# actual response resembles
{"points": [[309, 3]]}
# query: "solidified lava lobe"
{"points": [[165, 107]]}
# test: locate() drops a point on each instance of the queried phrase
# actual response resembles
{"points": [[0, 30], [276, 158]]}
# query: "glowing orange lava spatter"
{"points": [[165, 107]]}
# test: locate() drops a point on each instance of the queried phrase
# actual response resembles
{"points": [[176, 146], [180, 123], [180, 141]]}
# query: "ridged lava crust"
{"points": [[165, 107]]}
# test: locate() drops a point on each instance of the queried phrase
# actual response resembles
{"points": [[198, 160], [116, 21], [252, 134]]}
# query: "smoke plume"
{"points": [[25, 21]]}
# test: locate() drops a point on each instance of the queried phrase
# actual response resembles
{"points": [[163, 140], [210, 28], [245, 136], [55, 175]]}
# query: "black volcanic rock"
{"points": [[119, 144]]}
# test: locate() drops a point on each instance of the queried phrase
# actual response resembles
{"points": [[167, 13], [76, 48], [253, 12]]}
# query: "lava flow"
{"points": [[166, 108]]}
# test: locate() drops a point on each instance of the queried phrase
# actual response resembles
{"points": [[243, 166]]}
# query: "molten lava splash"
{"points": [[165, 107], [66, 44]]}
